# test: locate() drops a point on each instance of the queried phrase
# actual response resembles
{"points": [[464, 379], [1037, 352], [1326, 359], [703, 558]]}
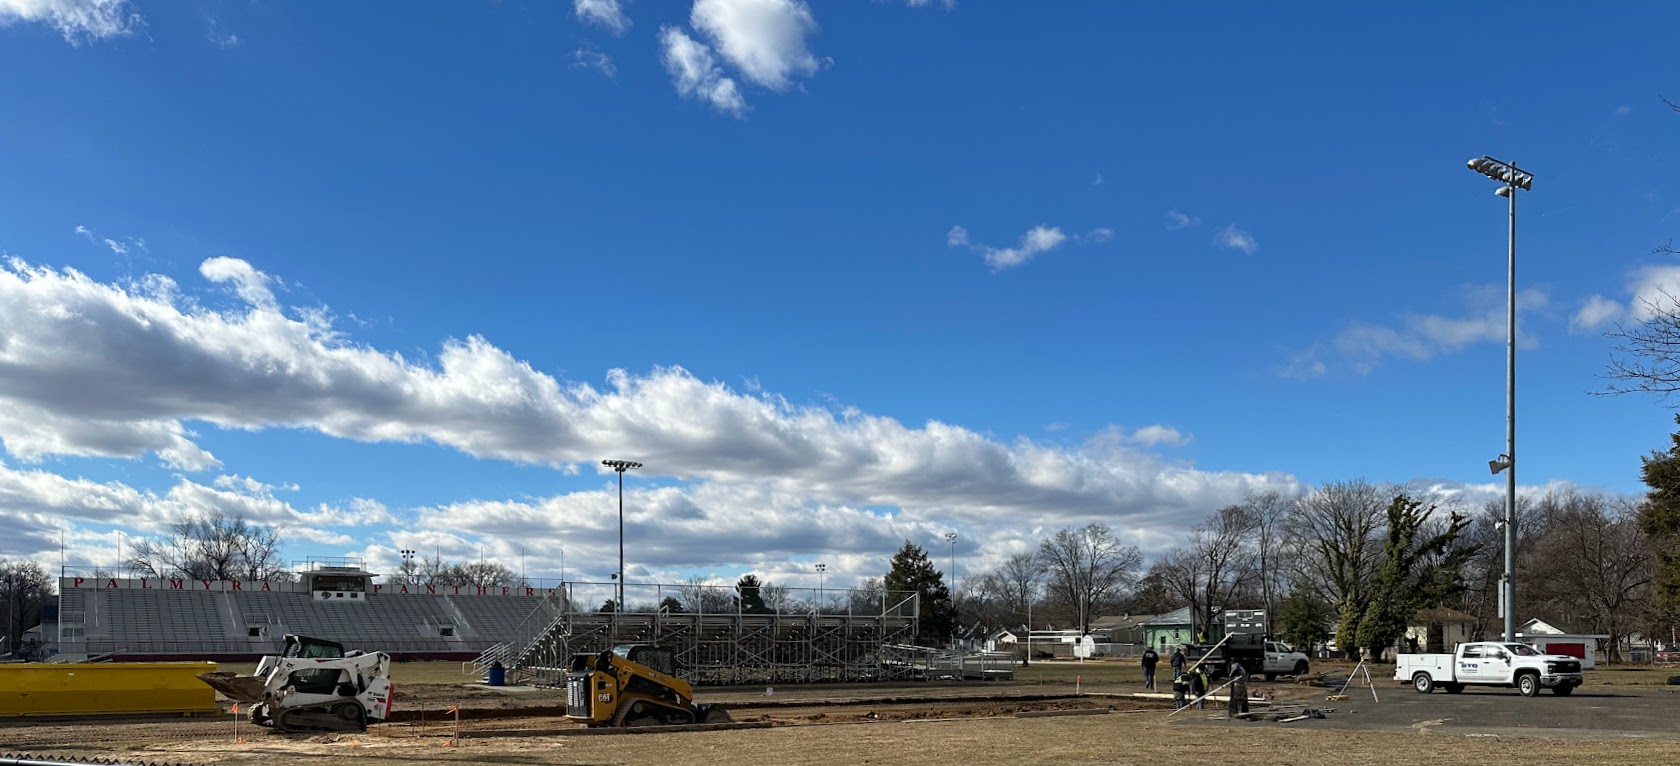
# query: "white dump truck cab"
{"points": [[1490, 663]]}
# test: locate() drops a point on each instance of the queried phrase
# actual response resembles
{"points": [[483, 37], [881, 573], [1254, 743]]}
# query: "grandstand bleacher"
{"points": [[134, 619]]}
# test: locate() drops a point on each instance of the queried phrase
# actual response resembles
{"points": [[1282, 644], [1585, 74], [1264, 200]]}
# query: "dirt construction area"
{"points": [[1052, 713]]}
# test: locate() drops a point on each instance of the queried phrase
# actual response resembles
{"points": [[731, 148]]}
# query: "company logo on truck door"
{"points": [[1467, 666]]}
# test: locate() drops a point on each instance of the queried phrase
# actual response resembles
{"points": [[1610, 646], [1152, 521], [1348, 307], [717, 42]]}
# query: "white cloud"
{"points": [[1038, 239], [696, 74], [226, 41], [605, 13], [76, 20], [116, 247], [1098, 181], [763, 39], [1177, 220], [1099, 235], [1237, 239], [1624, 110], [1654, 289], [595, 60], [93, 368], [1595, 313], [1156, 435], [1360, 346]]}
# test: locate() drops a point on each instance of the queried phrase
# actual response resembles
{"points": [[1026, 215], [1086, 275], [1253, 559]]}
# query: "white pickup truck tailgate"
{"points": [[1439, 666]]}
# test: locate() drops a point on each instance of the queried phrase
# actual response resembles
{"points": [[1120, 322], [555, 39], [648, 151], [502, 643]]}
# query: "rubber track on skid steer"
{"points": [[298, 720], [24, 759]]}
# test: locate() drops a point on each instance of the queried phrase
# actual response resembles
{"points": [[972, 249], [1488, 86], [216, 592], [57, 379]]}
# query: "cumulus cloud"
{"points": [[604, 13], [763, 39], [94, 368], [1037, 240], [696, 74], [1099, 235], [1360, 346], [1177, 220], [1156, 435], [1595, 313], [1237, 239], [77, 20]]}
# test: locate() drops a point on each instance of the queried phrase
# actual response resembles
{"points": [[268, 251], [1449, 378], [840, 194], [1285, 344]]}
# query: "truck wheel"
{"points": [[1423, 683], [1453, 688], [1301, 668], [1563, 690], [1528, 684]]}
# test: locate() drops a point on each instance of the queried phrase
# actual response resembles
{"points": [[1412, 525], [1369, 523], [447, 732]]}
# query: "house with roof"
{"points": [[1437, 631], [1553, 639], [1122, 629]]}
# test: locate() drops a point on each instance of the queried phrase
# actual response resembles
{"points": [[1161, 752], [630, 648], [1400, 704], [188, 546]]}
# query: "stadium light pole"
{"points": [[1512, 178], [821, 568], [620, 466], [408, 563], [951, 537]]}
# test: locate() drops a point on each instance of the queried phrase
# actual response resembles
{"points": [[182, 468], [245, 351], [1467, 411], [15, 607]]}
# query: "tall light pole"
{"points": [[408, 564], [620, 466], [821, 568], [1512, 179], [951, 537]]}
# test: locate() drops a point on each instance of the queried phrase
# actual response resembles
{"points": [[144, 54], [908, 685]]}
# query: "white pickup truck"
{"points": [[1490, 663]]}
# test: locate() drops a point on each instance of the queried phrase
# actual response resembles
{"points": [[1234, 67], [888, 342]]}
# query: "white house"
{"points": [[1551, 639]]}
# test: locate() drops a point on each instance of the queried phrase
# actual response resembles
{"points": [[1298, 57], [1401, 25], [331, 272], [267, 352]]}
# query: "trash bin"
{"points": [[498, 675]]}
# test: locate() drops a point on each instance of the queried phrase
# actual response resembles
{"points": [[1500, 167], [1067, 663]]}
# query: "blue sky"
{"points": [[841, 273]]}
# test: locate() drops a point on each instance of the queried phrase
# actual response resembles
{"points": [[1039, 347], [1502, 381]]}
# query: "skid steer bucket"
{"points": [[234, 686]]}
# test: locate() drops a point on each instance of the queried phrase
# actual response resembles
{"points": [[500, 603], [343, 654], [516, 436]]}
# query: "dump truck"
{"points": [[633, 685]]}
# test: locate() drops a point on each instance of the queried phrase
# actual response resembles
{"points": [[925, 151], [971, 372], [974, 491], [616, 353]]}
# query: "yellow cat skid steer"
{"points": [[633, 685]]}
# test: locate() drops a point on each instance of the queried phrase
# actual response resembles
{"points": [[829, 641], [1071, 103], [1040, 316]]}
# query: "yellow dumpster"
{"points": [[105, 688]]}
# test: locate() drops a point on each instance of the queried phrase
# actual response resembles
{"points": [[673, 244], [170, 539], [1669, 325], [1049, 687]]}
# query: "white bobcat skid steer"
{"points": [[313, 686]]}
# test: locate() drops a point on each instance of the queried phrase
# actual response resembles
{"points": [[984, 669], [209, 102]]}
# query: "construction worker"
{"points": [[1150, 660], [1238, 690], [1180, 685], [1199, 687], [1178, 662]]}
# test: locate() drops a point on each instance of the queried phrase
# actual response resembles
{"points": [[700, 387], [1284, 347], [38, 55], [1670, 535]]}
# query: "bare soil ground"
{"points": [[911, 723]]}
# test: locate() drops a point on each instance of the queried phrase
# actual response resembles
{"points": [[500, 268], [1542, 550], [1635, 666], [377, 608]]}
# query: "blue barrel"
{"points": [[498, 675]]}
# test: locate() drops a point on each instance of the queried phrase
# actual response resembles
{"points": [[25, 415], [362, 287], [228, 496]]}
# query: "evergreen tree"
{"points": [[1303, 619], [1420, 569], [752, 602], [1659, 519], [913, 571]]}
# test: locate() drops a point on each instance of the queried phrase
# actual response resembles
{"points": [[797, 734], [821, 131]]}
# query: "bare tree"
{"points": [[699, 595], [211, 546], [868, 597], [1002, 595], [1088, 568], [1214, 570], [1333, 533], [26, 587], [479, 574], [1598, 566], [1268, 510]]}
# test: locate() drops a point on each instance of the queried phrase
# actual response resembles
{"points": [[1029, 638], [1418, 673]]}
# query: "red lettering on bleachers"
{"points": [[177, 584], [376, 588], [431, 590], [144, 585], [113, 583], [206, 584], [481, 591], [530, 592], [404, 588], [78, 583], [265, 585], [236, 585], [457, 591]]}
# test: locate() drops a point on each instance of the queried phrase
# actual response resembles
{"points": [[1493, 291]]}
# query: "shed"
{"points": [[1553, 639]]}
